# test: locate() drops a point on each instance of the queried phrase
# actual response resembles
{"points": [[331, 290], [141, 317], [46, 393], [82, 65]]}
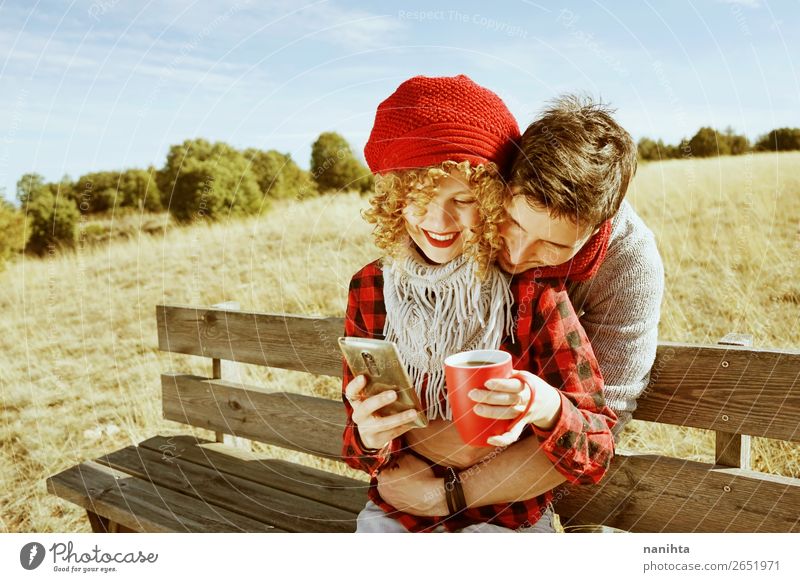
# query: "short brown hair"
{"points": [[576, 161]]}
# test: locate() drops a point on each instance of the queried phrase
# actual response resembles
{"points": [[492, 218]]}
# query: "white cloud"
{"points": [[746, 3], [40, 57], [192, 77], [349, 28], [52, 58]]}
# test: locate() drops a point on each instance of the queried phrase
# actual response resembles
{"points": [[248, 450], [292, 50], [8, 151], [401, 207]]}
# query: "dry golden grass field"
{"points": [[79, 353]]}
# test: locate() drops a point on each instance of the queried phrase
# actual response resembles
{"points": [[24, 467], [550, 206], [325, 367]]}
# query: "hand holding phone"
{"points": [[375, 430], [385, 404]]}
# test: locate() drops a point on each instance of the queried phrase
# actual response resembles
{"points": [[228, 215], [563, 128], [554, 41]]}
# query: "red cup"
{"points": [[468, 370]]}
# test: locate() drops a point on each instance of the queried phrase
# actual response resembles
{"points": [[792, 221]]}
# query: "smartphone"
{"points": [[380, 362]]}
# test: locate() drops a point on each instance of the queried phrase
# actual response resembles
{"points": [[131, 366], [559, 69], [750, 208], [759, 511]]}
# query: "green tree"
{"points": [[138, 189], [708, 142], [739, 144], [278, 175], [168, 176], [780, 140], [13, 231], [736, 144], [208, 181], [335, 168], [28, 186], [674, 152], [53, 221], [658, 150], [648, 149], [103, 191], [96, 192]]}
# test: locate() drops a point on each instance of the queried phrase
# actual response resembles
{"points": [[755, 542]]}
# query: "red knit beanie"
{"points": [[429, 120]]}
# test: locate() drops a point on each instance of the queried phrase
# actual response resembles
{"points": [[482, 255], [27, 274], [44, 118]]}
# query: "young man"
{"points": [[566, 219]]}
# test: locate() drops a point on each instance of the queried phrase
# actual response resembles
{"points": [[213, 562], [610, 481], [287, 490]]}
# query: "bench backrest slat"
{"points": [[723, 388], [307, 344], [292, 421]]}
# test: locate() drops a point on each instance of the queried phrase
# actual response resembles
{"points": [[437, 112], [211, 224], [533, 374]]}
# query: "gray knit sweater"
{"points": [[619, 309]]}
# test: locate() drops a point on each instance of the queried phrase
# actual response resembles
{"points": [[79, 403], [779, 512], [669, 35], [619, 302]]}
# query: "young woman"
{"points": [[437, 148]]}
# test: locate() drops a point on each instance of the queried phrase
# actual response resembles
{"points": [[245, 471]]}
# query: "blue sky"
{"points": [[110, 84]]}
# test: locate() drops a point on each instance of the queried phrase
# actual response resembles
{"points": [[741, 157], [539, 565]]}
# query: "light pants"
{"points": [[372, 519]]}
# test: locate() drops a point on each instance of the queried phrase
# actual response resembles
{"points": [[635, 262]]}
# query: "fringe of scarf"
{"points": [[434, 311]]}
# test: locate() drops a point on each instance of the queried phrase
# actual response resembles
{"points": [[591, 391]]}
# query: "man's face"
{"points": [[535, 239]]}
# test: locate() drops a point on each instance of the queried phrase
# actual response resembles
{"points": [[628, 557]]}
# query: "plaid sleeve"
{"points": [[580, 445], [364, 318]]}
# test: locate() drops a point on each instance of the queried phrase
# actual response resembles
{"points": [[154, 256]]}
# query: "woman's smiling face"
{"points": [[440, 229]]}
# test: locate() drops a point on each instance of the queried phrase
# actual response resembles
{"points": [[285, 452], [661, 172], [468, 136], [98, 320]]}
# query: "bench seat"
{"points": [[185, 484]]}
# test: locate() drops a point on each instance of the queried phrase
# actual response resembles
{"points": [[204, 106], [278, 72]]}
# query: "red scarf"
{"points": [[583, 265]]}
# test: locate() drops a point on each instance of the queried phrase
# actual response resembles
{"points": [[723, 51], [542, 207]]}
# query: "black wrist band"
{"points": [[461, 501], [448, 495], [454, 493]]}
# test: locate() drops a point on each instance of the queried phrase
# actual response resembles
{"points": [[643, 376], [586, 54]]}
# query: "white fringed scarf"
{"points": [[434, 311]]}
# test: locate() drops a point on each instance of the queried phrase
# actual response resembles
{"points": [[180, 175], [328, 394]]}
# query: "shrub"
{"points": [[96, 192], [138, 189], [780, 140], [27, 186], [335, 168], [736, 144], [708, 142], [649, 150], [279, 176], [12, 231], [102, 191], [53, 221], [207, 181]]}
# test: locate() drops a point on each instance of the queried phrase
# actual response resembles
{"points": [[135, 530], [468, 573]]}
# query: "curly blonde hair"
{"points": [[395, 190]]}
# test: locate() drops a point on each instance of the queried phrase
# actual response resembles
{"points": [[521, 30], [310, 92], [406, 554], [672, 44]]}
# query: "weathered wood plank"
{"points": [[648, 493], [731, 449], [231, 372], [292, 342], [101, 524], [726, 388], [98, 523], [140, 505], [217, 489], [308, 482], [293, 421]]}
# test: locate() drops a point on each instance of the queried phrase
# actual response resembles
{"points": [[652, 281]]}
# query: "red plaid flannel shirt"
{"points": [[549, 342]]}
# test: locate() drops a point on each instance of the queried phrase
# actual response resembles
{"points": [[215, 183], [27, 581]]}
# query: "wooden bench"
{"points": [[181, 483]]}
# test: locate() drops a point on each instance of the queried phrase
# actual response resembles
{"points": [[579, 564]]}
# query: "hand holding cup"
{"points": [[481, 417], [508, 398]]}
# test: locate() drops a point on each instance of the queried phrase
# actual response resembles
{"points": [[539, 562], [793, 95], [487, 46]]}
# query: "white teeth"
{"points": [[440, 237]]}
